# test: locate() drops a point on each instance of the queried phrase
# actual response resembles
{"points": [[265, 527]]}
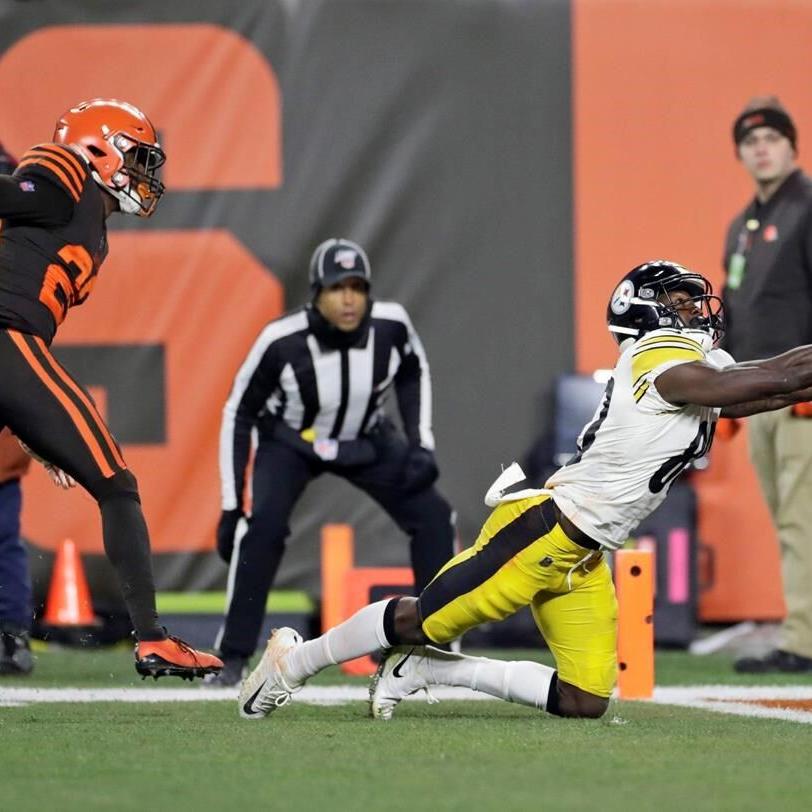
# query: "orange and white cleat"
{"points": [[173, 658]]}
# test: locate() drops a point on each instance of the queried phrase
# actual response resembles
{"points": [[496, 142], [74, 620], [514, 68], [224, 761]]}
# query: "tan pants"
{"points": [[781, 451]]}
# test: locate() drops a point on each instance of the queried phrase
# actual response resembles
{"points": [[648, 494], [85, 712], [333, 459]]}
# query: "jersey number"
{"points": [[591, 431], [675, 465], [63, 288]]}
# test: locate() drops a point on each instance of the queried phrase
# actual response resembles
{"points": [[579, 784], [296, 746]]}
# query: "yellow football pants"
{"points": [[522, 557]]}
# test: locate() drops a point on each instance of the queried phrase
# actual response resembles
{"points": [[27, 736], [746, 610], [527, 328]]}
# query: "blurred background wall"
{"points": [[503, 162]]}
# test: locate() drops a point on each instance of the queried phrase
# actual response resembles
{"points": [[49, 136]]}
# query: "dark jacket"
{"points": [[768, 305]]}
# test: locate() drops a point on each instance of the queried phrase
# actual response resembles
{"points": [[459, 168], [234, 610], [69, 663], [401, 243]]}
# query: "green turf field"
{"points": [[455, 755]]}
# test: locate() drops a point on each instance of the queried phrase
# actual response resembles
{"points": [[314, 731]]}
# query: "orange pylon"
{"points": [[635, 645], [337, 544], [68, 601]]}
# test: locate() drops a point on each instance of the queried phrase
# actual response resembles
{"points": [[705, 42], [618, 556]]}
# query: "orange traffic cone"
{"points": [[68, 601]]}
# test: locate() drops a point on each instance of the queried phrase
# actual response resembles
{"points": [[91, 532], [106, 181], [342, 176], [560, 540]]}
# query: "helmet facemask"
{"points": [[709, 319], [136, 185]]}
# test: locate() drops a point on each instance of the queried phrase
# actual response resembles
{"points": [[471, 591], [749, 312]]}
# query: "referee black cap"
{"points": [[335, 260]]}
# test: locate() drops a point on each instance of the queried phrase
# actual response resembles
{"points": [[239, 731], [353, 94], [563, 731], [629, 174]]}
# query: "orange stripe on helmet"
{"points": [[70, 407], [52, 166], [77, 390], [65, 158]]}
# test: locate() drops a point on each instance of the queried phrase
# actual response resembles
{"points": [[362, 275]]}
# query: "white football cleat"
{"points": [[403, 671], [265, 688]]}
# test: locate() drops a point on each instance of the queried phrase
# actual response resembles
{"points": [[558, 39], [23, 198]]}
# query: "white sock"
{"points": [[361, 634], [516, 681]]}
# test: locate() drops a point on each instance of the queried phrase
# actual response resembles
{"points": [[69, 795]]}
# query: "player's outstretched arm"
{"points": [[768, 404], [700, 384], [795, 359]]}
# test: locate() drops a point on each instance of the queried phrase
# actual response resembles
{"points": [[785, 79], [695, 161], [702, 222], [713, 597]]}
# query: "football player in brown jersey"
{"points": [[104, 158]]}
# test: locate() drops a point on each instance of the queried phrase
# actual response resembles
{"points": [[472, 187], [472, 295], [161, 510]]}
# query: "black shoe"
{"points": [[15, 651], [775, 662], [234, 670]]}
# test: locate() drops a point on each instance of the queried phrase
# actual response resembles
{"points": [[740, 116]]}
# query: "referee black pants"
{"points": [[280, 475]]}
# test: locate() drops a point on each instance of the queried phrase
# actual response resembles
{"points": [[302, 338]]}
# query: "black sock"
{"points": [[126, 543], [552, 705], [389, 622]]}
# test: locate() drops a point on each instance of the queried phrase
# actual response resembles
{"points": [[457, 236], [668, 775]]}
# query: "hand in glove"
{"points": [[57, 475], [226, 530], [419, 469]]}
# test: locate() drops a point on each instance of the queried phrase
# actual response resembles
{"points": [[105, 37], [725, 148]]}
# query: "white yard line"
{"points": [[723, 699], [314, 695], [737, 700]]}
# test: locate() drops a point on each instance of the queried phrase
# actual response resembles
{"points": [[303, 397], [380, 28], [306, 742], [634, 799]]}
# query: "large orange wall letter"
{"points": [[193, 300]]}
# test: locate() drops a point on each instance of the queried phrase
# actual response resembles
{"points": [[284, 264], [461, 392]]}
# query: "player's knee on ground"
{"points": [[122, 484], [576, 703], [407, 625]]}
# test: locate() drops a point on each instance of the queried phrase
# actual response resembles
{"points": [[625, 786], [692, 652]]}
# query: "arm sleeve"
{"points": [[413, 388], [34, 201], [255, 381]]}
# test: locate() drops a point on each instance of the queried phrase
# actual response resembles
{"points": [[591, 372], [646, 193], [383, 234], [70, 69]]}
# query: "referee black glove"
{"points": [[419, 469]]}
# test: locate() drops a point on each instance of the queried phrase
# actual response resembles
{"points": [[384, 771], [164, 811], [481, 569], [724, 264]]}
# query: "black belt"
{"points": [[573, 533]]}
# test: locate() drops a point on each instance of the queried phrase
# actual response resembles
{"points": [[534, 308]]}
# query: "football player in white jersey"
{"points": [[546, 548]]}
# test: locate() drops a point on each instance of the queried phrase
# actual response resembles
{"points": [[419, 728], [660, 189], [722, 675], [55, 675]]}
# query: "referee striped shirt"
{"points": [[290, 375]]}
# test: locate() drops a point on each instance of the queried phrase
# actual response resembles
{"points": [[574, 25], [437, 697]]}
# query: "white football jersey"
{"points": [[637, 443]]}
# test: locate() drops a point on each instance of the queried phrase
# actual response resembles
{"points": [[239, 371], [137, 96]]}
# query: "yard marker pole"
{"points": [[634, 579], [337, 553]]}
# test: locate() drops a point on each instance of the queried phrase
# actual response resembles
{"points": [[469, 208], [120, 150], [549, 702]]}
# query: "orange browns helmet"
{"points": [[121, 146]]}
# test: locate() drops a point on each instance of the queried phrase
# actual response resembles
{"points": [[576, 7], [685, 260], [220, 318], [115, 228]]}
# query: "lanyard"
{"points": [[737, 263]]}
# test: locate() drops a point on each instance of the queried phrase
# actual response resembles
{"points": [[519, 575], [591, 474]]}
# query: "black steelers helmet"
{"points": [[635, 307]]}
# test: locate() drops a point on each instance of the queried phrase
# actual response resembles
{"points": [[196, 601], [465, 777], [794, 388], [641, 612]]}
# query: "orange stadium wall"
{"points": [[656, 88]]}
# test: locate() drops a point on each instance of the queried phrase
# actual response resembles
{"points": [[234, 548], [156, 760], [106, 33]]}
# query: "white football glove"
{"points": [[57, 475]]}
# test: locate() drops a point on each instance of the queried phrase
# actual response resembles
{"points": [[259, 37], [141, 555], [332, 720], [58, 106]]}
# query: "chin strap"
{"points": [[127, 204]]}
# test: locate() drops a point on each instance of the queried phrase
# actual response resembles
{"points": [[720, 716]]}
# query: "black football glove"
{"points": [[226, 530], [419, 469]]}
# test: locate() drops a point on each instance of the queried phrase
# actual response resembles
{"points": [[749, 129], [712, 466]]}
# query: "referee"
{"points": [[313, 386]]}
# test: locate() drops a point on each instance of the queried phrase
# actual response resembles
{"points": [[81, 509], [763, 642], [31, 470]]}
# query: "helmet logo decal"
{"points": [[622, 297], [346, 258]]}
